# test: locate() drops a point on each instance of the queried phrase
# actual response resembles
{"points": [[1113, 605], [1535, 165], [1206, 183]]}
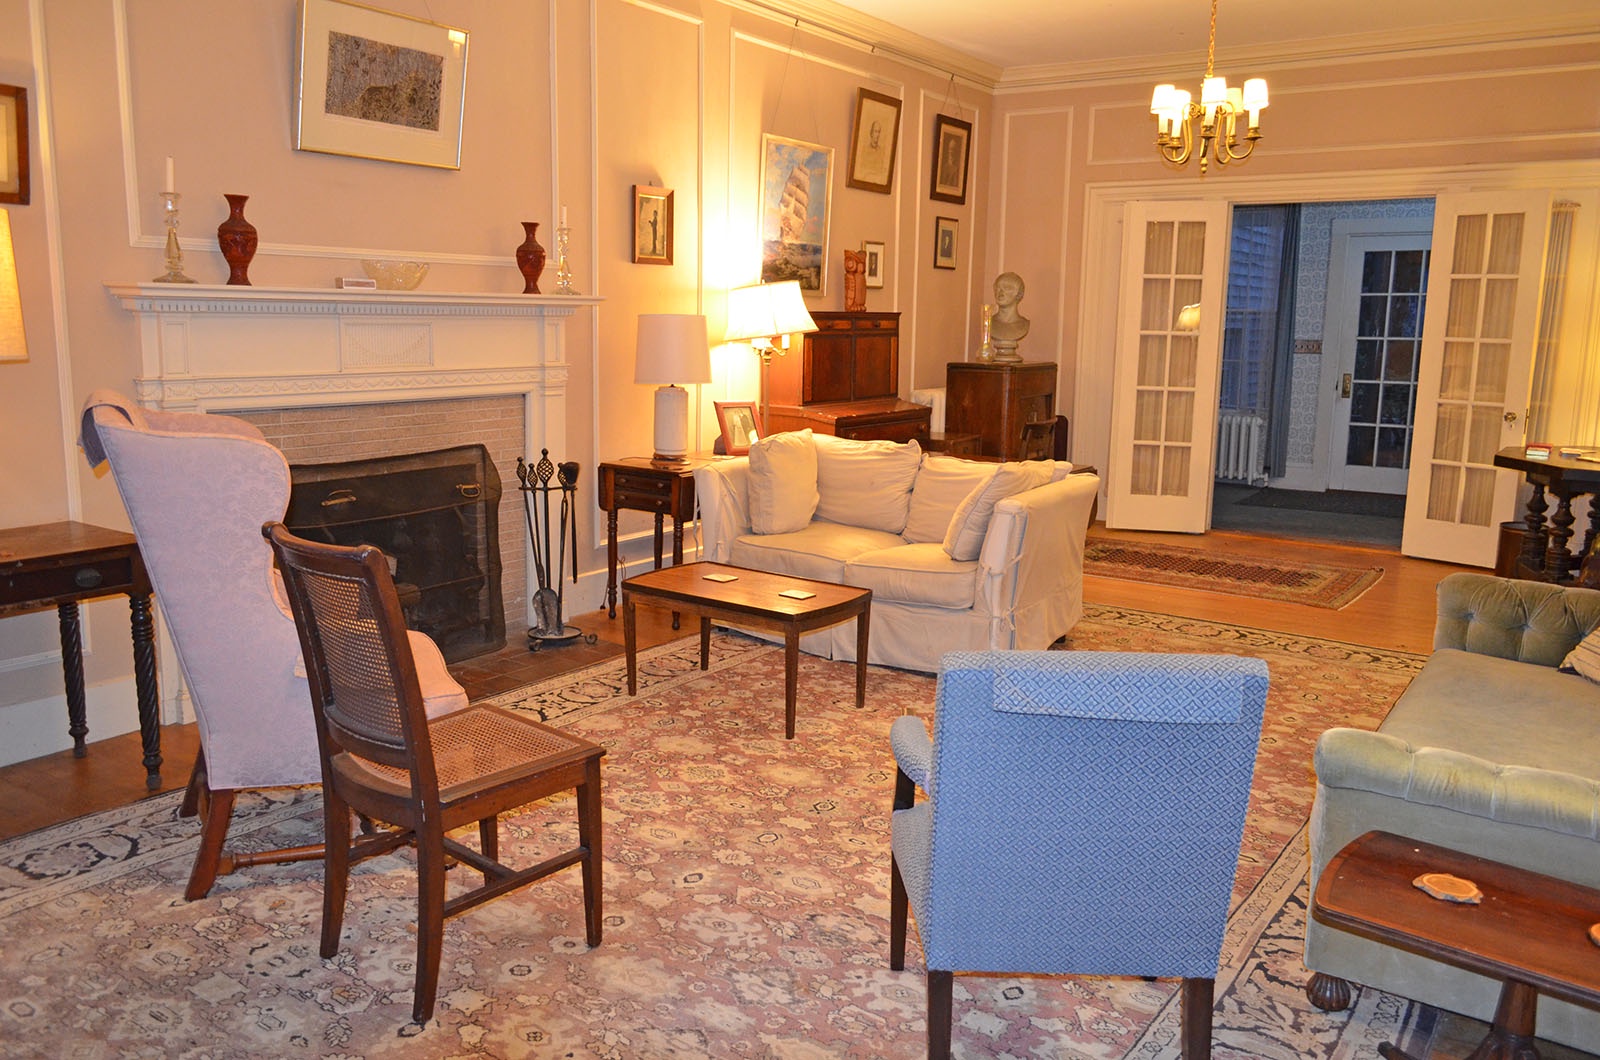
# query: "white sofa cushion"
{"points": [[942, 484], [915, 574], [820, 551], [866, 483], [783, 482], [964, 539], [1585, 658]]}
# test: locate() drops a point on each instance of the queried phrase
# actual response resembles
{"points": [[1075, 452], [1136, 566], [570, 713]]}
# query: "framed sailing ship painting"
{"points": [[795, 181]]}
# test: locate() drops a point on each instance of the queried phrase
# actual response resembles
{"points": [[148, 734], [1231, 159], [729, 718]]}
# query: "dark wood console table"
{"points": [[1545, 553], [62, 563], [998, 401], [636, 483], [1530, 931]]}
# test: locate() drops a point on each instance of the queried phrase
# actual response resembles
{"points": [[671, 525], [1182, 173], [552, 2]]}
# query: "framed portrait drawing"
{"points": [[14, 144], [872, 144], [652, 225], [877, 265], [952, 148], [740, 423], [378, 85], [946, 239], [795, 181]]}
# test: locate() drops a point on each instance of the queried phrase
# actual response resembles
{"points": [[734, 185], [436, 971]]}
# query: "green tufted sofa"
{"points": [[1491, 750]]}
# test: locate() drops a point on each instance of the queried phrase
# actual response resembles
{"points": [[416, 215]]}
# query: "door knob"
{"points": [[1510, 417], [1344, 386]]}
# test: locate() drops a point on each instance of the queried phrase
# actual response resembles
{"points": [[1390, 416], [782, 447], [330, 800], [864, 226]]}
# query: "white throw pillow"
{"points": [[964, 539], [866, 483], [783, 482], [942, 484], [1585, 658]]}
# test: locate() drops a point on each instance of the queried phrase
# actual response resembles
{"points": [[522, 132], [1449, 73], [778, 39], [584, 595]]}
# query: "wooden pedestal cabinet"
{"points": [[843, 381], [995, 401]]}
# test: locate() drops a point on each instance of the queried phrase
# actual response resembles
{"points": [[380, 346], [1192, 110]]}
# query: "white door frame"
{"points": [[1344, 230], [1100, 271]]}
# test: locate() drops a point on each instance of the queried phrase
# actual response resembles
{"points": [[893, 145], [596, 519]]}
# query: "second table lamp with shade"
{"points": [[765, 315], [672, 348]]}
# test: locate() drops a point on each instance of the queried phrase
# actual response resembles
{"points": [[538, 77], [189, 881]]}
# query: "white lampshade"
{"points": [[13, 343], [767, 311], [672, 348], [1188, 318]]}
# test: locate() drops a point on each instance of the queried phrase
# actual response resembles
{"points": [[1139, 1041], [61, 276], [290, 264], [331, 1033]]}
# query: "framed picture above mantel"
{"points": [[14, 144], [374, 84]]}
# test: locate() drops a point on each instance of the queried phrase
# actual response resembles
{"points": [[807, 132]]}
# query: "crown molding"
{"points": [[1460, 39]]}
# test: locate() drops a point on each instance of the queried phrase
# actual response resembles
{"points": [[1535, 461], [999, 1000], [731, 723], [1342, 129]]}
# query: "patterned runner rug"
{"points": [[1316, 584], [746, 889]]}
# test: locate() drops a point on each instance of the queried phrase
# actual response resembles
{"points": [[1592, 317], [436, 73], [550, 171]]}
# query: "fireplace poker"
{"points": [[545, 602]]}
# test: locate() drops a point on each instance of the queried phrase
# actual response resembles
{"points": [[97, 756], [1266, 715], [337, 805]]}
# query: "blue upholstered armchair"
{"points": [[1084, 816]]}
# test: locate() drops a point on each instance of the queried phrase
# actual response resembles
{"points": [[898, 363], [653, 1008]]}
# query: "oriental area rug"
{"points": [[746, 898], [1313, 584]]}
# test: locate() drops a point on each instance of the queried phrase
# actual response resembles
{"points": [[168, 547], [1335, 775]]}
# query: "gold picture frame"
{"points": [[652, 225], [796, 178], [13, 145], [874, 141], [952, 151], [740, 424], [375, 84]]}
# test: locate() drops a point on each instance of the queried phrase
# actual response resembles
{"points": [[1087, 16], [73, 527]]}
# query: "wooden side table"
{"points": [[61, 564], [1546, 555], [1530, 931], [638, 484]]}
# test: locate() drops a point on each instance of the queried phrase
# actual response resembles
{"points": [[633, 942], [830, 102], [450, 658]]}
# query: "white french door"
{"points": [[1164, 395], [1477, 358]]}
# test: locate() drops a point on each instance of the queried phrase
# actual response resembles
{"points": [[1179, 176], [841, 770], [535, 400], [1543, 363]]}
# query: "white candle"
{"points": [[172, 184], [563, 215]]}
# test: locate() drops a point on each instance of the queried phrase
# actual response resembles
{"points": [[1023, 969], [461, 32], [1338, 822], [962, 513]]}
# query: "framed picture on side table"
{"points": [[952, 147], [946, 237], [652, 225], [877, 265], [740, 423]]}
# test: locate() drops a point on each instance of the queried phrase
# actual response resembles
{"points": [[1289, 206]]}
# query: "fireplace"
{"points": [[435, 515]]}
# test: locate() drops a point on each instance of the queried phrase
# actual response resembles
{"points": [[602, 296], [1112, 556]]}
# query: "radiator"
{"points": [[1241, 448], [933, 397]]}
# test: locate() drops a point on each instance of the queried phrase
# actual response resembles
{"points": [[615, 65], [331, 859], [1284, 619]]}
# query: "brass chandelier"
{"points": [[1218, 113]]}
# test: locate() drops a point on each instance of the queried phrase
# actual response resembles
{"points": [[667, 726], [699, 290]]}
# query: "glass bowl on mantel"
{"points": [[395, 275]]}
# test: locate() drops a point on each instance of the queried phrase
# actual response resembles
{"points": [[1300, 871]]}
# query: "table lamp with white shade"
{"points": [[765, 315], [13, 343], [672, 348]]}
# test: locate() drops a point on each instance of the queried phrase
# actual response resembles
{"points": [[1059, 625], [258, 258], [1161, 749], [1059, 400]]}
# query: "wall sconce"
{"points": [[765, 315], [672, 348], [13, 342]]}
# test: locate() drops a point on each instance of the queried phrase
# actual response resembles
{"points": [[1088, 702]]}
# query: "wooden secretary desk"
{"points": [[996, 401], [843, 381]]}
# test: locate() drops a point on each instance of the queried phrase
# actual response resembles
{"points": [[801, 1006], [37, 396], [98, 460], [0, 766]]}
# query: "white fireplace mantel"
{"points": [[209, 347]]}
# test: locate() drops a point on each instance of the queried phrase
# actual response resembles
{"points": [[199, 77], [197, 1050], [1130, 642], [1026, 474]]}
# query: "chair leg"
{"points": [[1194, 1018], [213, 830], [941, 989], [335, 868], [897, 916], [430, 919], [194, 795], [589, 837], [489, 840]]}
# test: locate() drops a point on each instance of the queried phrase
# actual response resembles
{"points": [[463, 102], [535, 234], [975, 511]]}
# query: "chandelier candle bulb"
{"points": [[1217, 113]]}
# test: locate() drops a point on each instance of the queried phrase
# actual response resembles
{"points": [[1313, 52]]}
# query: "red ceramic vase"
{"points": [[237, 238], [530, 258]]}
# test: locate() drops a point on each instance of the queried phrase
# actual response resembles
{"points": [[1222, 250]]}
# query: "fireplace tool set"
{"points": [[548, 600]]}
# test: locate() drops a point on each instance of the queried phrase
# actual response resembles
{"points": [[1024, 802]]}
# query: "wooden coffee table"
{"points": [[1529, 931], [751, 600]]}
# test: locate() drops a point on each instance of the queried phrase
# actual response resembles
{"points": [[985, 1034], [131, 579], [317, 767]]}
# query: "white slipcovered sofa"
{"points": [[960, 555]]}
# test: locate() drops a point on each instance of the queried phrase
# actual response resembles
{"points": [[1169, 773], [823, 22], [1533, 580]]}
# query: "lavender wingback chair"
{"points": [[1084, 816], [197, 489]]}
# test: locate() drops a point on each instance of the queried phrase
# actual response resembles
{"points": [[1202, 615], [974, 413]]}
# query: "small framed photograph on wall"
{"points": [[652, 225], [952, 148], [14, 144], [946, 238], [877, 263]]}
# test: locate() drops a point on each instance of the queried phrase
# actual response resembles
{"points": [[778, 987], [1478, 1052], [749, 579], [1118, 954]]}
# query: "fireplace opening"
{"points": [[435, 516]]}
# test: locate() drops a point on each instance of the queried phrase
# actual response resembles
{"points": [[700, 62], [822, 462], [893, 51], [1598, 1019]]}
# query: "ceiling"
{"points": [[1011, 34]]}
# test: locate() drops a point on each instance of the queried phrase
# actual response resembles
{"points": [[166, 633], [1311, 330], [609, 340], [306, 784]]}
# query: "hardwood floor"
{"points": [[1396, 613]]}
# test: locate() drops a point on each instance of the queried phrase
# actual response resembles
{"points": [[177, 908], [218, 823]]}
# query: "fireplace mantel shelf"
{"points": [[223, 298]]}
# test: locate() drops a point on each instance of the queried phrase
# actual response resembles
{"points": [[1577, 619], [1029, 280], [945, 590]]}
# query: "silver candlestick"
{"points": [[169, 208], [563, 267]]}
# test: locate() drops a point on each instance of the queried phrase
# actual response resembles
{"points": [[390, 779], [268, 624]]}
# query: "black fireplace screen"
{"points": [[435, 515]]}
